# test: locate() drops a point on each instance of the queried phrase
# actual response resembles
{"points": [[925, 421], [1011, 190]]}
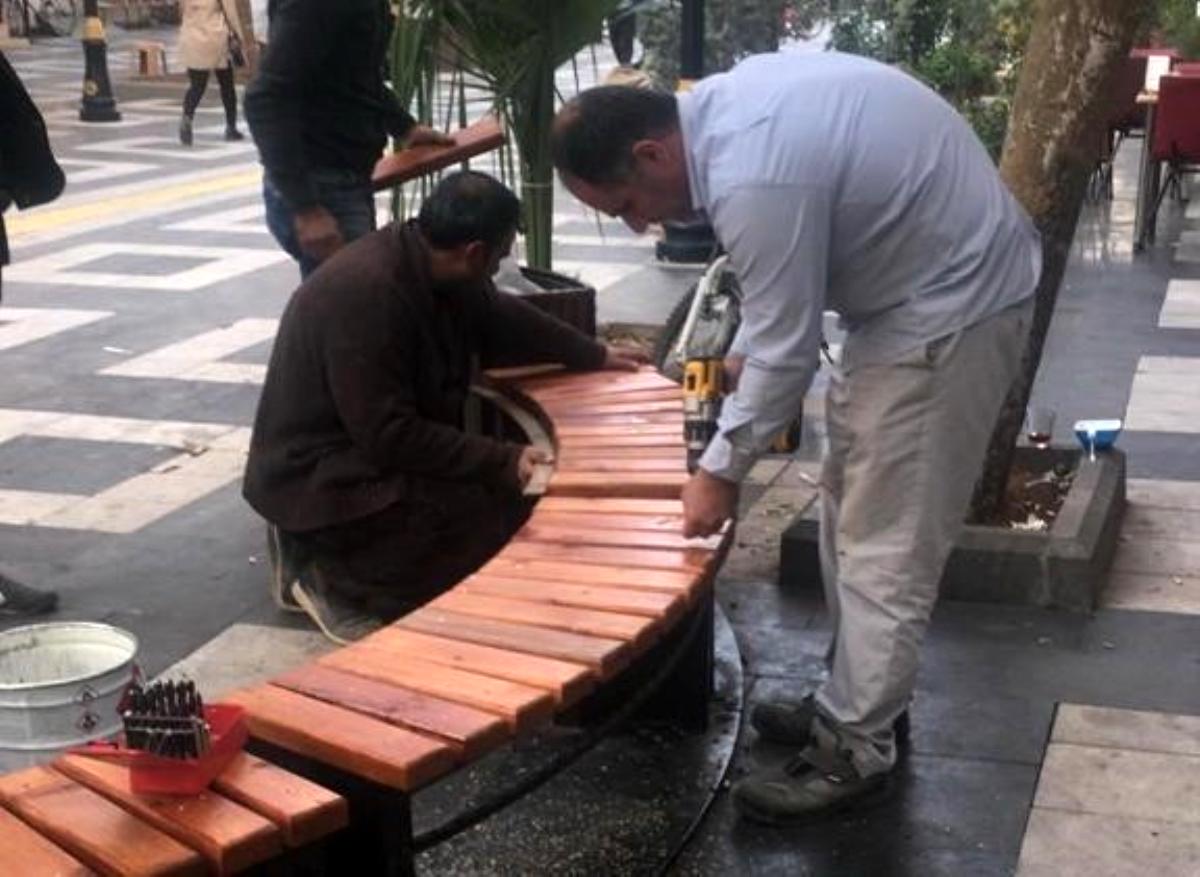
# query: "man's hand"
{"points": [[618, 357], [423, 135], [530, 458], [317, 232], [708, 502], [732, 368]]}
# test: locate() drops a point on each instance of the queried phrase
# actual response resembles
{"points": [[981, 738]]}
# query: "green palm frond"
{"points": [[514, 48]]}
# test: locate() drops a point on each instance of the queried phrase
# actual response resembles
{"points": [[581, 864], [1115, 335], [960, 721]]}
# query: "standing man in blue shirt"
{"points": [[321, 112], [837, 183]]}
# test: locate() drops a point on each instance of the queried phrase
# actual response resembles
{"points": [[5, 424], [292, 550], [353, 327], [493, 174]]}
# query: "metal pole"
{"points": [[97, 104], [689, 241]]}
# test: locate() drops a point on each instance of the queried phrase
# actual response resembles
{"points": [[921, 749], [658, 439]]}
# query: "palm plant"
{"points": [[512, 48]]}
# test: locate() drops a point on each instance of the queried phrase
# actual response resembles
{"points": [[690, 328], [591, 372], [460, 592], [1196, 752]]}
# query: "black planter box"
{"points": [[564, 297], [1063, 567]]}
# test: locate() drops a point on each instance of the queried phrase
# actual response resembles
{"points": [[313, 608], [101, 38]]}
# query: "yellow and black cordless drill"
{"points": [[703, 389]]}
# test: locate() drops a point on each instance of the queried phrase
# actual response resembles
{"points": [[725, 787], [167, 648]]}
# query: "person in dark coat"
{"points": [[376, 496], [29, 175]]}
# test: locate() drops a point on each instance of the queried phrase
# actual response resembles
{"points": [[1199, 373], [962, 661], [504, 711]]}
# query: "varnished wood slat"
{"points": [[538, 531], [579, 381], [231, 837], [355, 743], [597, 418], [572, 430], [24, 851], [640, 386], [105, 837], [662, 453], [567, 682], [521, 706], [616, 467], [650, 485], [516, 373], [671, 581], [667, 607], [481, 136], [610, 505], [567, 397], [605, 656], [655, 523], [637, 630], [685, 560], [633, 439], [302, 811], [588, 408], [470, 732]]}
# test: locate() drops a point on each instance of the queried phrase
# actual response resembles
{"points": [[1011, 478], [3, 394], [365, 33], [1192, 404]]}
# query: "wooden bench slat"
{"points": [[686, 560], [633, 438], [638, 630], [617, 467], [666, 606], [651, 485], [231, 837], [567, 682], [587, 407], [302, 810], [537, 531], [629, 388], [575, 430], [550, 399], [604, 656], [24, 851], [470, 732], [521, 706], [105, 837], [576, 381], [355, 743], [598, 574], [659, 454], [611, 506], [600, 418], [651, 523]]}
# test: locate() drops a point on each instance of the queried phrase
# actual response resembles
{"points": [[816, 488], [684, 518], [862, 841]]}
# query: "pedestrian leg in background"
{"points": [[229, 101], [907, 444], [197, 82]]}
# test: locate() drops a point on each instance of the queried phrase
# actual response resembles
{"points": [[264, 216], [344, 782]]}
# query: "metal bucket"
{"points": [[60, 684]]}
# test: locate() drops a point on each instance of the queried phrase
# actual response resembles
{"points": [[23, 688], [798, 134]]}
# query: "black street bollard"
{"points": [[97, 104]]}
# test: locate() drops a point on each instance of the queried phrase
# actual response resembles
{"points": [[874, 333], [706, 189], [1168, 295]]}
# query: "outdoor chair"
{"points": [[1176, 134], [1124, 116]]}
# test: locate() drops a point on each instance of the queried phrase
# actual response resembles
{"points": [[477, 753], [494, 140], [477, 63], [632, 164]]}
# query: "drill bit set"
{"points": [[173, 742], [166, 719]]}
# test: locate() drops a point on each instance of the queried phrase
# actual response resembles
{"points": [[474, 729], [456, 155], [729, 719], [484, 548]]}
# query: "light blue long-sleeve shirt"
{"points": [[836, 182]]}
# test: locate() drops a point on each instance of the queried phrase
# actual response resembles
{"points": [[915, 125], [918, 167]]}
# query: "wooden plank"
{"points": [[631, 439], [670, 581], [607, 395], [538, 531], [639, 631], [610, 506], [647, 485], [94, 830], [482, 136], [24, 851], [470, 732], [567, 682], [618, 466], [659, 523], [231, 837], [599, 418], [605, 656], [574, 430], [521, 706], [639, 382], [357, 744], [643, 379], [302, 811], [513, 374], [664, 606], [580, 408], [694, 560]]}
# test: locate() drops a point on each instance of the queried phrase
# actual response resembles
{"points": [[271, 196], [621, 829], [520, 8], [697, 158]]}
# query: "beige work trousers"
{"points": [[906, 446]]}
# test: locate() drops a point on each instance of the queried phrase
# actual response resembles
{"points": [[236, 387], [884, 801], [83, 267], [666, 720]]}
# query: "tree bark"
{"points": [[1059, 110]]}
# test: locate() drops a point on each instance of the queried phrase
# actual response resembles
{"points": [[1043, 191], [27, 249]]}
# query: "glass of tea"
{"points": [[1039, 426]]}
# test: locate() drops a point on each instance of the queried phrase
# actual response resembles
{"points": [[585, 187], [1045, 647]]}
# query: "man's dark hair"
{"points": [[469, 206], [594, 133]]}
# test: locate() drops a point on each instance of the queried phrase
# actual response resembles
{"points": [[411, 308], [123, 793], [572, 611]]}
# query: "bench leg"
{"points": [[378, 839], [683, 697]]}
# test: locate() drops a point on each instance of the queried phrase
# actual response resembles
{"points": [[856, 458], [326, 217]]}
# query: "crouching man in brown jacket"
{"points": [[376, 498]]}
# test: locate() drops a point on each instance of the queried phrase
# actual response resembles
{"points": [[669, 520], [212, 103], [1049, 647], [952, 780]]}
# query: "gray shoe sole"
{"points": [[876, 796]]}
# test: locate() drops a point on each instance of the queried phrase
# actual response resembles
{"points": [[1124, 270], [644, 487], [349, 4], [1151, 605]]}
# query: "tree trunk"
{"points": [[1059, 110]]}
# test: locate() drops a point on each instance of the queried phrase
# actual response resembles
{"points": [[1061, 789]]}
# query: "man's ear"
{"points": [[476, 254], [652, 151]]}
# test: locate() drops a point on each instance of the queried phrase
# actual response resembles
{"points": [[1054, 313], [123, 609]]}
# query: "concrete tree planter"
{"points": [[1063, 567]]}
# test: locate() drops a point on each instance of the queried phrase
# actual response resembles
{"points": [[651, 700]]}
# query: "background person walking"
{"points": [[204, 45]]}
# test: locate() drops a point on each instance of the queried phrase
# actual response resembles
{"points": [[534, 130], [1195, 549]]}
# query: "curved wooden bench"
{"points": [[598, 576]]}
